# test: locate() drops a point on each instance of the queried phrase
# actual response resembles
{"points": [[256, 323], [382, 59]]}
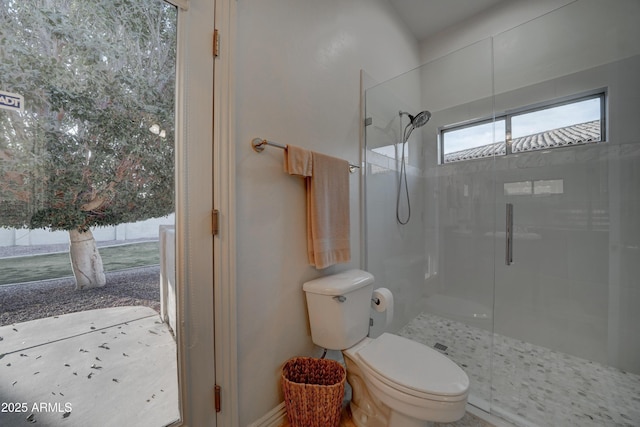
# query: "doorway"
{"points": [[164, 127]]}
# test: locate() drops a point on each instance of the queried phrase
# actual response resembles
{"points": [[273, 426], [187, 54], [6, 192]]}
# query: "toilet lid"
{"points": [[414, 368]]}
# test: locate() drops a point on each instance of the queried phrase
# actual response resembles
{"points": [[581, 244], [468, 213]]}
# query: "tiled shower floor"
{"points": [[532, 385]]}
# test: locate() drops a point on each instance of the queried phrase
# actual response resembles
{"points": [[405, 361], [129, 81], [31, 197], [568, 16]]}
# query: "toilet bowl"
{"points": [[395, 382], [407, 383]]}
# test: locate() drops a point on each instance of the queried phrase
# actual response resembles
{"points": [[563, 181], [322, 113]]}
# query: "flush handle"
{"points": [[340, 298]]}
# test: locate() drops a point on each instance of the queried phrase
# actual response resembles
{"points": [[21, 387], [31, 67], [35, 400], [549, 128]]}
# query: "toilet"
{"points": [[395, 382]]}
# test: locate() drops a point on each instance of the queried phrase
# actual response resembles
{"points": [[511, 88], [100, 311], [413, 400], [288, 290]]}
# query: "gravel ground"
{"points": [[35, 300]]}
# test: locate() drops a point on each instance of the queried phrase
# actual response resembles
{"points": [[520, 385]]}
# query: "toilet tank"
{"points": [[339, 308]]}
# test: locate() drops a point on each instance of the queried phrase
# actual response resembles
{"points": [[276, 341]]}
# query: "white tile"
{"points": [[534, 384]]}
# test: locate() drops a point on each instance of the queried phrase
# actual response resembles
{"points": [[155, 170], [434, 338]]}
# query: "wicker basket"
{"points": [[313, 391]]}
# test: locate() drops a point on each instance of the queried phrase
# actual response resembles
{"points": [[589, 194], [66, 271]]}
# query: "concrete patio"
{"points": [[106, 367]]}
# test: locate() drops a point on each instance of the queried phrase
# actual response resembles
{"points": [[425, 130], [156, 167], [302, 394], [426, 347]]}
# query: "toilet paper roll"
{"points": [[385, 298]]}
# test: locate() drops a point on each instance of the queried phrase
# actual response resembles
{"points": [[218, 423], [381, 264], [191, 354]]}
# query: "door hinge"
{"points": [[216, 393], [215, 224], [216, 43]]}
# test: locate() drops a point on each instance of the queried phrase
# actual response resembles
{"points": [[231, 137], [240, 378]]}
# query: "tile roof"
{"points": [[581, 133]]}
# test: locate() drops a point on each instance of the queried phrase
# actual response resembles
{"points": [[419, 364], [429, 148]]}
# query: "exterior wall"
{"points": [[135, 230], [297, 82]]}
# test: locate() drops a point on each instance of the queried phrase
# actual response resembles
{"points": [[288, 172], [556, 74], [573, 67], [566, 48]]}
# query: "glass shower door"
{"points": [[566, 231], [461, 311], [564, 349], [460, 213], [439, 266]]}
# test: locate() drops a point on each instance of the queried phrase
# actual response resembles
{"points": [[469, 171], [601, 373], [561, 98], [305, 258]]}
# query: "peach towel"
{"points": [[327, 182], [297, 161]]}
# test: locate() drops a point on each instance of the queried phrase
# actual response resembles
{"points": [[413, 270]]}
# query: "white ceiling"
{"points": [[425, 18]]}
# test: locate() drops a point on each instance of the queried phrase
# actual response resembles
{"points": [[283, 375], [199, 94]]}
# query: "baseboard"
{"points": [[278, 415], [274, 418]]}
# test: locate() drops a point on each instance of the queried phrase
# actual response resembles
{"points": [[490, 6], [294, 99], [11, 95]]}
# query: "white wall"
{"points": [[495, 20], [297, 82]]}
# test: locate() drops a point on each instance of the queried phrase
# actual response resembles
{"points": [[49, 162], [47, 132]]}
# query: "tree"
{"points": [[95, 143]]}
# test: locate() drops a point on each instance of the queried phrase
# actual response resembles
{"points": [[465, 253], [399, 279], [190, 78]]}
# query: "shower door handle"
{"points": [[508, 258]]}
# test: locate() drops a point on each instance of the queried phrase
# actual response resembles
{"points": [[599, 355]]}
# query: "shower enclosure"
{"points": [[521, 260]]}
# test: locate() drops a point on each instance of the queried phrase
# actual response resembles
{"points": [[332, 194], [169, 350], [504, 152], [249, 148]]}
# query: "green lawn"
{"points": [[52, 266]]}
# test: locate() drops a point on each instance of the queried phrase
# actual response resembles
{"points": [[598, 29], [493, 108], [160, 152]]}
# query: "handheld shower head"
{"points": [[416, 121], [419, 119]]}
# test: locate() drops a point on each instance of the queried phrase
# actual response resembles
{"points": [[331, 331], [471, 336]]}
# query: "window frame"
{"points": [[601, 93]]}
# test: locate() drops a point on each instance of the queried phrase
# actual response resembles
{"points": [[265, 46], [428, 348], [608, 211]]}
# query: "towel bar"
{"points": [[258, 145]]}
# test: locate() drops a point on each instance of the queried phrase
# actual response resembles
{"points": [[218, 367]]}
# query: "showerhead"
{"points": [[416, 121], [419, 119]]}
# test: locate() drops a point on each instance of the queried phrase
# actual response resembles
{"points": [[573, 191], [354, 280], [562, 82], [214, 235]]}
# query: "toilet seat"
{"points": [[414, 369]]}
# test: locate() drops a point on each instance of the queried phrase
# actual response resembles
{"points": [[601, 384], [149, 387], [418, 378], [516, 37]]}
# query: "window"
{"points": [[579, 120]]}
